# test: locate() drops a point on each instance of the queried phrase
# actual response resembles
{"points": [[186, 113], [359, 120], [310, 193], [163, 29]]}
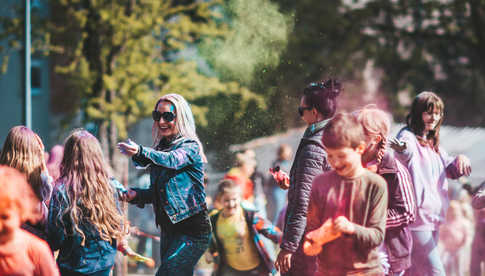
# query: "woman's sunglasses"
{"points": [[302, 109], [167, 116]]}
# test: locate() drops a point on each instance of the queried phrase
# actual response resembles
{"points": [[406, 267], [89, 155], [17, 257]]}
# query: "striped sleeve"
{"points": [[406, 214]]}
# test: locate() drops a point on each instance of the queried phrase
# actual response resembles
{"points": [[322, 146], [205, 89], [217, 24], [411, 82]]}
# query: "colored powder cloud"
{"points": [[259, 34]]}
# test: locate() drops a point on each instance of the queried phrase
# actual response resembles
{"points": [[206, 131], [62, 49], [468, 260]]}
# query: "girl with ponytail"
{"points": [[402, 204]]}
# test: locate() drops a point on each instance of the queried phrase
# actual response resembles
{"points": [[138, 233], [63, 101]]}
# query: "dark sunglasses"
{"points": [[167, 116], [302, 109], [320, 85]]}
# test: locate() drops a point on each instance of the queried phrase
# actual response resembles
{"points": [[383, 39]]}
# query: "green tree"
{"points": [[428, 45], [324, 43], [416, 45], [113, 59]]}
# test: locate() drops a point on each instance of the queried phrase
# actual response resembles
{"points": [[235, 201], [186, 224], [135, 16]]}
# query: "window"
{"points": [[36, 77]]}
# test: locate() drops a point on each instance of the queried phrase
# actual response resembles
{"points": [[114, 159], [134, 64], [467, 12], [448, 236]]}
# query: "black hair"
{"points": [[322, 96]]}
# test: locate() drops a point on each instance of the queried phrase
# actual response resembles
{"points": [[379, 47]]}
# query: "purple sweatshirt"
{"points": [[429, 170]]}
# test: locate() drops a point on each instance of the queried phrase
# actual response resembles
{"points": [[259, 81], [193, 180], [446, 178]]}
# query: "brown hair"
{"points": [[425, 102], [225, 186], [23, 149], [343, 131], [284, 152], [91, 197], [16, 192]]}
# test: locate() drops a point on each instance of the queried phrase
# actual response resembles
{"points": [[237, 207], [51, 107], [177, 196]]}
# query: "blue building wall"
{"points": [[12, 91]]}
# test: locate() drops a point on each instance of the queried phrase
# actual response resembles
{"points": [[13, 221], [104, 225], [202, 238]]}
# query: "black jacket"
{"points": [[310, 161]]}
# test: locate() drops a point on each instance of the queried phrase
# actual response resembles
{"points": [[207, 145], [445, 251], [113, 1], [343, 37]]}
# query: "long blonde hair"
{"points": [[91, 197], [184, 121], [375, 122], [23, 149]]}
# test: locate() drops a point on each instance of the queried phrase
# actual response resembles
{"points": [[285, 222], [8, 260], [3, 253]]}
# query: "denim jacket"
{"points": [[95, 255], [176, 179]]}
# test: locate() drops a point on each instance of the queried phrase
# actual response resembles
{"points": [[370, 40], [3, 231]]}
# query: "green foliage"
{"points": [[415, 45], [324, 43], [259, 35], [429, 45], [243, 63], [119, 57]]}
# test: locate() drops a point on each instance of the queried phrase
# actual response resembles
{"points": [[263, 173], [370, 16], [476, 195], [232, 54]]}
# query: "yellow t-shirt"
{"points": [[233, 232]]}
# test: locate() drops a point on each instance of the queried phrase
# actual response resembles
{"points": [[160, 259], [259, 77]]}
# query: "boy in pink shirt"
{"points": [[348, 205], [21, 253]]}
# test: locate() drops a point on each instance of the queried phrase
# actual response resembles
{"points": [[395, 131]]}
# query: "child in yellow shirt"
{"points": [[236, 236]]}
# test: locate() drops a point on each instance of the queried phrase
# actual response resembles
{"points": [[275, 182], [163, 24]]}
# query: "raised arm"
{"points": [[176, 159], [404, 145]]}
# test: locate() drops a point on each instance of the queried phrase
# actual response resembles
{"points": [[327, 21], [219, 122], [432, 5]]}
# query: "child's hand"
{"points": [[280, 177], [315, 239], [124, 248], [342, 224], [129, 147], [464, 165], [128, 195], [397, 145]]}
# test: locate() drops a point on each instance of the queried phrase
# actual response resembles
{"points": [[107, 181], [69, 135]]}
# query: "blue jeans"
{"points": [[425, 257], [279, 201], [72, 273], [180, 252]]}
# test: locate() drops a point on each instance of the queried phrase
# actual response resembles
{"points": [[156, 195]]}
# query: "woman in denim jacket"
{"points": [[84, 219], [176, 185]]}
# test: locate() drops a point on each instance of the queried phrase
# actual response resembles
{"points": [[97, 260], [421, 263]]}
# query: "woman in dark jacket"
{"points": [[317, 106], [177, 185]]}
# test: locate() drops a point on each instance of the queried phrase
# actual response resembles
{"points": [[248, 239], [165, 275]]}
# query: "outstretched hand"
{"points": [[128, 195], [128, 148], [397, 145]]}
